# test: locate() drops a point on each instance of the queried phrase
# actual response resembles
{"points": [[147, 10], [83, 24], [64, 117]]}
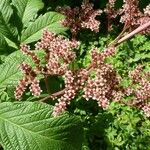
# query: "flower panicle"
{"points": [[80, 17]]}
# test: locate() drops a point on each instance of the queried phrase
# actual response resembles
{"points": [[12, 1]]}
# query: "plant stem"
{"points": [[128, 36], [59, 93], [119, 36]]}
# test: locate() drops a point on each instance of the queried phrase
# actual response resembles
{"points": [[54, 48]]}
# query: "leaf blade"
{"points": [[27, 9], [34, 126], [3, 44], [10, 74], [50, 20], [6, 10]]}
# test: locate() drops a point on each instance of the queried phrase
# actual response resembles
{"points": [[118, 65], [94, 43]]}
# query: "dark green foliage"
{"points": [[29, 125]]}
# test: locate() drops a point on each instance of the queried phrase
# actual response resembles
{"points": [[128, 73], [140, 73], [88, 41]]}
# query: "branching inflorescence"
{"points": [[80, 17], [130, 12], [130, 15], [140, 89], [59, 54], [99, 81], [102, 87]]}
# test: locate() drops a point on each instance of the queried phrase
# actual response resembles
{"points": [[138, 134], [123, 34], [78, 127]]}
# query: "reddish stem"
{"points": [[59, 93], [137, 30]]}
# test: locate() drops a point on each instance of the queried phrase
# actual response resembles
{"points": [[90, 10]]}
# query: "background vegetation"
{"points": [[29, 124]]}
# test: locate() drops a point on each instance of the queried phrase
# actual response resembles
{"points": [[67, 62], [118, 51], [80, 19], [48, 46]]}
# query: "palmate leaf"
{"points": [[30, 126], [27, 9], [50, 20]]}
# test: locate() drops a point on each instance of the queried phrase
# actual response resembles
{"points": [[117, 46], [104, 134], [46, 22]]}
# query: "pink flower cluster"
{"points": [[105, 82], [73, 83], [144, 19], [68, 95], [99, 58], [135, 75], [59, 54], [77, 18], [146, 110], [28, 79], [26, 50], [100, 88], [110, 10], [140, 89], [133, 17], [99, 81], [147, 10], [130, 12]]}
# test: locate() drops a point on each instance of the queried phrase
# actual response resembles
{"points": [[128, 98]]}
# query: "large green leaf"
{"points": [[27, 9], [30, 126], [6, 28], [9, 74], [6, 10], [50, 20]]}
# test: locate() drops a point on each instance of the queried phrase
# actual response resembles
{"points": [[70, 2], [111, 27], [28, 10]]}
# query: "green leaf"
{"points": [[9, 70], [30, 126], [3, 44], [4, 97], [50, 20], [6, 10], [27, 9], [9, 74], [11, 43], [138, 57], [6, 28], [18, 57], [145, 47]]}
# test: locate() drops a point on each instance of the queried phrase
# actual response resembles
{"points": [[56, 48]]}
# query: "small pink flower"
{"points": [[35, 88]]}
